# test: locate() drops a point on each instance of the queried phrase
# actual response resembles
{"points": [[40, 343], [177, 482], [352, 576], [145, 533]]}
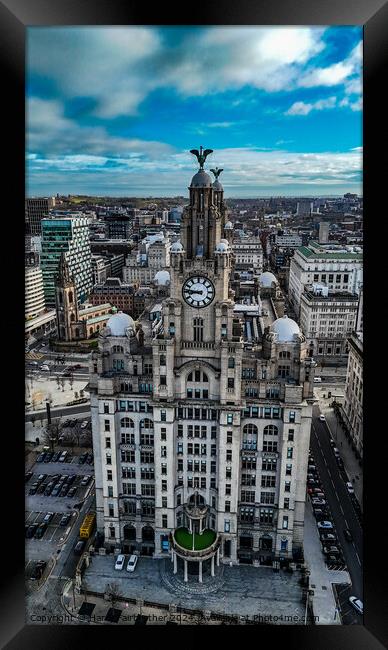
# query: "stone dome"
{"points": [[266, 279], [222, 247], [201, 179], [285, 328], [224, 241], [162, 278], [176, 247], [217, 186], [228, 225], [118, 324]]}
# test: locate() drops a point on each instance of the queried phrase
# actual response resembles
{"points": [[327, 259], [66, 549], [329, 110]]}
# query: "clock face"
{"points": [[198, 291]]}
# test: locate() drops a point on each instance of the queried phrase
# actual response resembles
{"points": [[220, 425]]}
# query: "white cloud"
{"points": [[337, 73], [302, 108]]}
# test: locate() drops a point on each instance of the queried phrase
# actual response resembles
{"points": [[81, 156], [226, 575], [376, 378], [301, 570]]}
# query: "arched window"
{"points": [[204, 377], [72, 318], [198, 329], [126, 423], [231, 362], [146, 424], [250, 436], [60, 298], [190, 376], [284, 354], [70, 296], [271, 430], [77, 332]]}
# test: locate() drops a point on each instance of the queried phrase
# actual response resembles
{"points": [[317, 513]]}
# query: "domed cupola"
{"points": [[285, 330], [120, 324]]}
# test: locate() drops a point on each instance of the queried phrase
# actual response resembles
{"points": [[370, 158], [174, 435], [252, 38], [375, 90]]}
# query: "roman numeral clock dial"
{"points": [[198, 291]]}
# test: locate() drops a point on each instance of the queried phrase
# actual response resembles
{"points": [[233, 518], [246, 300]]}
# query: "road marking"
{"points": [[341, 509], [359, 561]]}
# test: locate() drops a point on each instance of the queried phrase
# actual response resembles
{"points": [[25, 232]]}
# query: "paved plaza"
{"points": [[238, 590]]}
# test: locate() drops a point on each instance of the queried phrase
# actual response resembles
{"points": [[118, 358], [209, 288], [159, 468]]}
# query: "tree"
{"points": [[52, 433], [113, 593]]}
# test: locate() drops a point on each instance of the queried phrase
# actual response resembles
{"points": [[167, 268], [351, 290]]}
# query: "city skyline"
{"points": [[281, 107]]}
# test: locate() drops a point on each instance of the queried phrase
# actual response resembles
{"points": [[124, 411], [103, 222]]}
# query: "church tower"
{"points": [[65, 301]]}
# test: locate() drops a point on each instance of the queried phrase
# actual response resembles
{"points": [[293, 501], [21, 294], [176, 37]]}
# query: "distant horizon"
{"points": [[181, 196]]}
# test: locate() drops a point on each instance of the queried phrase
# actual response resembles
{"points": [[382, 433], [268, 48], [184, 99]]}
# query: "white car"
{"points": [[45, 367], [120, 562], [132, 563], [318, 502], [357, 604], [84, 424], [322, 418], [350, 488], [325, 524]]}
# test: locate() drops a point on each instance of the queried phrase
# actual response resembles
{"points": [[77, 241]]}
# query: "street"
{"points": [[343, 513]]}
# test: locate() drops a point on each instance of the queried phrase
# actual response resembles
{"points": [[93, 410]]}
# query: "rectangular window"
{"points": [[286, 503], [291, 416], [228, 472], [163, 433], [229, 437], [163, 452], [228, 489], [229, 456], [288, 470], [163, 417], [111, 510], [229, 418], [110, 491], [164, 468], [106, 408], [164, 486], [227, 506], [109, 475], [164, 521], [107, 443], [107, 425], [108, 459], [290, 435], [287, 486], [285, 522], [290, 452], [226, 526]]}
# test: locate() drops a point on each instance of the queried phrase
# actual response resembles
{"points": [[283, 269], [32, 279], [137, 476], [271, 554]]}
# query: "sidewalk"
{"points": [[321, 578], [352, 467]]}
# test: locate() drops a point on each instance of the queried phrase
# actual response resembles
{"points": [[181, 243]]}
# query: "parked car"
{"points": [[131, 566], [38, 570], [340, 462], [48, 517], [40, 531], [28, 476], [348, 535], [318, 494], [120, 562], [64, 490], [49, 489], [56, 490], [55, 457], [89, 459], [48, 457], [41, 478], [41, 457], [320, 515], [41, 488], [79, 547], [328, 537], [45, 367], [357, 604], [334, 550], [332, 559], [72, 492], [311, 468], [322, 418], [85, 480], [349, 487], [33, 488], [331, 441], [325, 524], [336, 452], [70, 479], [82, 458], [31, 530], [316, 501], [65, 519]]}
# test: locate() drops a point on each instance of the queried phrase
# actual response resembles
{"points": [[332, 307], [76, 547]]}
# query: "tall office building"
{"points": [[70, 235], [34, 293], [200, 436], [37, 209]]}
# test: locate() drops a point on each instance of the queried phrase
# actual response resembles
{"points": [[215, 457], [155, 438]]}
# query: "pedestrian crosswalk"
{"points": [[34, 356]]}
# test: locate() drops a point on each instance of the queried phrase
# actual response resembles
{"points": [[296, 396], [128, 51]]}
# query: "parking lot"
{"points": [[349, 615], [68, 478]]}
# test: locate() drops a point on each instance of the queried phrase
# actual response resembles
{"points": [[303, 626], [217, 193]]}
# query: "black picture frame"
{"points": [[15, 16]]}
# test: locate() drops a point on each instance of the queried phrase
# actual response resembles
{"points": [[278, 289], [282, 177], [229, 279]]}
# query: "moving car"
{"points": [[132, 563], [357, 604], [322, 418], [348, 535], [120, 562], [325, 524]]}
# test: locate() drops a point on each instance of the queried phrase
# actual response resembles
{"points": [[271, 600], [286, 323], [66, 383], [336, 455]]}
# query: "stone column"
{"points": [[190, 525], [200, 525], [175, 563], [185, 576], [218, 556], [212, 567], [200, 571]]}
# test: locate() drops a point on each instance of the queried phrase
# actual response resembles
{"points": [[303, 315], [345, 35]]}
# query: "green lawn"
{"points": [[185, 539]]}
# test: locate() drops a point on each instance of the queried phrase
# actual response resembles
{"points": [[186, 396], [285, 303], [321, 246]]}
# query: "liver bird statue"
{"points": [[216, 172], [201, 155]]}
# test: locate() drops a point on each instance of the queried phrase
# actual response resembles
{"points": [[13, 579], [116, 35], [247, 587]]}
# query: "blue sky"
{"points": [[115, 110]]}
